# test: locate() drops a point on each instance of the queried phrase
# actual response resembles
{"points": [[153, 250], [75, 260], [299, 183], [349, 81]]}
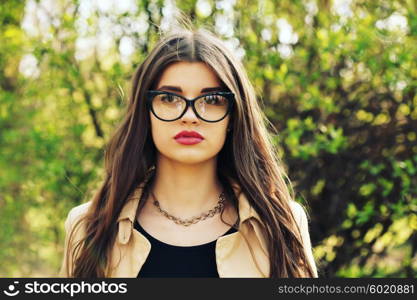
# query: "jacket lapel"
{"points": [[243, 253], [128, 258], [131, 248]]}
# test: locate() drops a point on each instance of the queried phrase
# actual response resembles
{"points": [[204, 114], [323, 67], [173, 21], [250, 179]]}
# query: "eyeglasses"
{"points": [[210, 107]]}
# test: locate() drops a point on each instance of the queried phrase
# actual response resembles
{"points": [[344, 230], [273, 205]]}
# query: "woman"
{"points": [[193, 186]]}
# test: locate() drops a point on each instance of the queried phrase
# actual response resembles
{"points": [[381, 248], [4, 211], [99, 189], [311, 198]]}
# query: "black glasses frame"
{"points": [[190, 102]]}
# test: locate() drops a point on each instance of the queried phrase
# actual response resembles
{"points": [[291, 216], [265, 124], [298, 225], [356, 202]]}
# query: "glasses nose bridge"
{"points": [[189, 104]]}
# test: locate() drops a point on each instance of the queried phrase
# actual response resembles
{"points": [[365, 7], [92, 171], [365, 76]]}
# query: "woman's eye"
{"points": [[211, 99], [167, 98], [217, 100]]}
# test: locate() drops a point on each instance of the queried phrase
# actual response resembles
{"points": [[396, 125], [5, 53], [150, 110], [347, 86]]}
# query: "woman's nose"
{"points": [[189, 115]]}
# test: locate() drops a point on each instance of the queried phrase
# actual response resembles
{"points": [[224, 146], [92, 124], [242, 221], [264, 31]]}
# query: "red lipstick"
{"points": [[188, 137]]}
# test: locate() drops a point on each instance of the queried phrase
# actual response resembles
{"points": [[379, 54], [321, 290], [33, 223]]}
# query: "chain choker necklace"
{"points": [[187, 222]]}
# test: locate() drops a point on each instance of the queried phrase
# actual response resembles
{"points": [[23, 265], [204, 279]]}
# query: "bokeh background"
{"points": [[336, 78]]}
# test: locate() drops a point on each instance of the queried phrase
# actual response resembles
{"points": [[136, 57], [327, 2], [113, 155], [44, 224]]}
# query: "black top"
{"points": [[165, 260]]}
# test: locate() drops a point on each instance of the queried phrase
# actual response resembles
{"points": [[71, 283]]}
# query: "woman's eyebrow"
{"points": [[178, 89]]}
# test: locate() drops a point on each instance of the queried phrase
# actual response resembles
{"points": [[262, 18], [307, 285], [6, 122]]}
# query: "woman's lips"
{"points": [[188, 140]]}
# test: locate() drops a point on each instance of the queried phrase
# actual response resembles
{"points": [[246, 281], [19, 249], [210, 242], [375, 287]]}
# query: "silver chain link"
{"points": [[187, 222]]}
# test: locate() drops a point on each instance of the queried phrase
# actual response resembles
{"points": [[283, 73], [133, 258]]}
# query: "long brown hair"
{"points": [[248, 157]]}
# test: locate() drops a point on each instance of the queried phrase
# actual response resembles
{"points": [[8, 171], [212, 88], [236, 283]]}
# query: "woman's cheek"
{"points": [[218, 140], [162, 141]]}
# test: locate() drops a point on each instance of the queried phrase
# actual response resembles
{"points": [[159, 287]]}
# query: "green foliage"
{"points": [[340, 88]]}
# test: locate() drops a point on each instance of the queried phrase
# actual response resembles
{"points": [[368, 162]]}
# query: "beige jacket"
{"points": [[240, 254]]}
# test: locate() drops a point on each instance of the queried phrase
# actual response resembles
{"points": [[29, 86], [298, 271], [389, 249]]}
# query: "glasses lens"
{"points": [[212, 107], [168, 106]]}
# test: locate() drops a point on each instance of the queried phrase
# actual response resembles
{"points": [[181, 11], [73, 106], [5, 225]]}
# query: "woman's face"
{"points": [[188, 79]]}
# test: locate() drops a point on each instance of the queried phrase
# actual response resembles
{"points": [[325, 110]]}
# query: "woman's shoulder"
{"points": [[73, 216], [299, 212], [300, 216], [76, 212]]}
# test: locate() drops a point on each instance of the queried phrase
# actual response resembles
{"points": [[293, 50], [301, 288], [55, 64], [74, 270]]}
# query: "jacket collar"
{"points": [[246, 211]]}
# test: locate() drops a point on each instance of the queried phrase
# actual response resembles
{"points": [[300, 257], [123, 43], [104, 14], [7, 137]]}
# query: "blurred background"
{"points": [[336, 78]]}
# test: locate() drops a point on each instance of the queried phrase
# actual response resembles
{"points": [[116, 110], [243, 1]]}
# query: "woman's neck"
{"points": [[186, 190]]}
